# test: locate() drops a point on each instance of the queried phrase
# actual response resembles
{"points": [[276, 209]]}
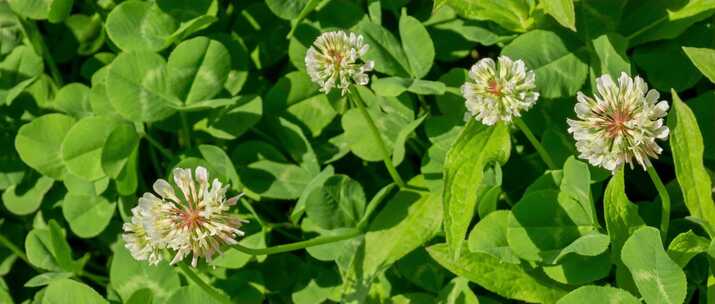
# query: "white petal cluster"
{"points": [[499, 91], [336, 60], [620, 123], [195, 222]]}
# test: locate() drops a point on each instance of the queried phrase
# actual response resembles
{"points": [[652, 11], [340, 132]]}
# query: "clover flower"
{"points": [[196, 221], [499, 91], [336, 60], [621, 122]]}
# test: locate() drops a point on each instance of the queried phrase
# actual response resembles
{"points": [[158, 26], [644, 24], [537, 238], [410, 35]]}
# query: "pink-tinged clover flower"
{"points": [[499, 91], [619, 123], [335, 60], [193, 221]]}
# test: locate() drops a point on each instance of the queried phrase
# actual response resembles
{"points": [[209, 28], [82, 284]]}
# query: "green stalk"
{"points": [[29, 27], [349, 234], [185, 128], [376, 134], [664, 200], [158, 146], [198, 281], [535, 142], [15, 250]]}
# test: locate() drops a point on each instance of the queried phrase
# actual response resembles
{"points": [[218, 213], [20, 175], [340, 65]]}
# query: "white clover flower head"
{"points": [[620, 123], [196, 221], [499, 91], [336, 60]]}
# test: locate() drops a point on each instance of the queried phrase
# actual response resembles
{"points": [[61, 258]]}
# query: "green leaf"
{"points": [[83, 145], [69, 291], [598, 294], [476, 147], [507, 280], [47, 249], [398, 149], [234, 120], [315, 113], [563, 11], [686, 246], [580, 269], [39, 143], [704, 60], [662, 19], [544, 223], [140, 26], [287, 9], [513, 15], [458, 292], [198, 69], [87, 215], [686, 144], [127, 275], [385, 50], [24, 199], [621, 215], [138, 87], [417, 44], [410, 216], [338, 203], [314, 183], [59, 10], [394, 86], [408, 213], [221, 164], [360, 139], [659, 278], [19, 70], [141, 296], [275, 180], [46, 278], [120, 144], [557, 61], [60, 248], [489, 236], [292, 140], [576, 184], [191, 294], [663, 76], [73, 99], [588, 245], [609, 56]]}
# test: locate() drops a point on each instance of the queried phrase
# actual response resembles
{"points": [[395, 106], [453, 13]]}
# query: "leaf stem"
{"points": [[31, 31], [15, 250], [206, 287], [535, 142], [185, 128], [376, 134], [326, 239], [664, 200], [156, 144], [101, 280]]}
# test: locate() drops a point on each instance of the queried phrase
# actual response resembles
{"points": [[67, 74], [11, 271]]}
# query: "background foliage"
{"points": [[100, 98]]}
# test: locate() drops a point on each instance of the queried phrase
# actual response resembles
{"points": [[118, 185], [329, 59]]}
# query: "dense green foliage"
{"points": [[99, 98]]}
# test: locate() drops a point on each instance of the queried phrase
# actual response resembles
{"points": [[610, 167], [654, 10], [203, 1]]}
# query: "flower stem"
{"points": [[535, 142], [664, 200], [15, 250], [376, 134], [198, 281], [158, 146], [185, 128], [349, 234]]}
